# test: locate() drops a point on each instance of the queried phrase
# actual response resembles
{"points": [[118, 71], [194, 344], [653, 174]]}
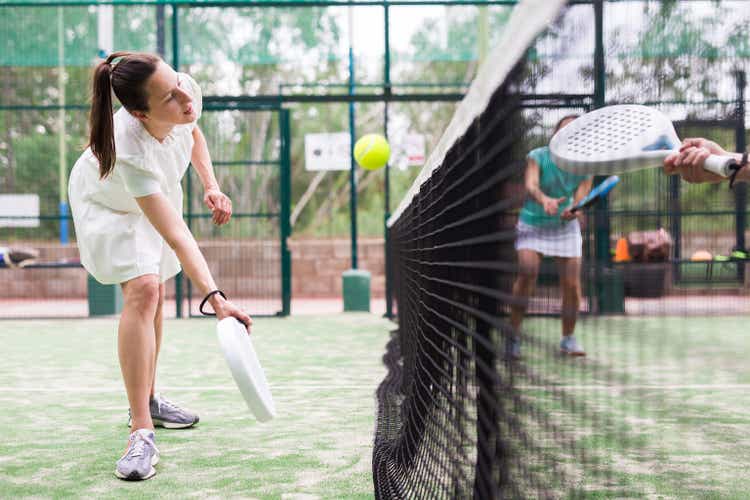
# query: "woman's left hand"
{"points": [[569, 215], [220, 206]]}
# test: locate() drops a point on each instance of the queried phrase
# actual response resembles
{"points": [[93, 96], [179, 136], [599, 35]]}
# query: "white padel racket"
{"points": [[621, 138], [243, 363]]}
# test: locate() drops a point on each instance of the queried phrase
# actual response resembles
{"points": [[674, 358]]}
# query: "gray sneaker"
{"points": [[165, 413], [139, 459], [513, 348], [569, 346]]}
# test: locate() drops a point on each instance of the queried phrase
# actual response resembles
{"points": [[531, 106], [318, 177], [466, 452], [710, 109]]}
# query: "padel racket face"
{"points": [[600, 191], [614, 139], [620, 138], [246, 370]]}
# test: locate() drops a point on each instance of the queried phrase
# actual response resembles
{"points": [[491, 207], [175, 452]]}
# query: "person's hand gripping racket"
{"points": [[229, 310], [223, 308], [628, 137], [690, 160], [600, 191]]}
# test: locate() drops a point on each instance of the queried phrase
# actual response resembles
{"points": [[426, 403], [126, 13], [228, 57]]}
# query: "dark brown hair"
{"points": [[562, 120], [127, 79]]}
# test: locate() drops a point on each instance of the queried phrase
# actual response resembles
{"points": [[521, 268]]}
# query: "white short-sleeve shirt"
{"points": [[116, 241]]}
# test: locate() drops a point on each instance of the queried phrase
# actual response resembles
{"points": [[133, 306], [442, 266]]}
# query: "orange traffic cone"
{"points": [[621, 251]]}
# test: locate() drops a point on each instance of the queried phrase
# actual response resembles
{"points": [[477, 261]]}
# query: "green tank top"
{"points": [[553, 182]]}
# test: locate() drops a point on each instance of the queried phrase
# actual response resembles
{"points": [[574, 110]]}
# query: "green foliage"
{"points": [[676, 54], [455, 38]]}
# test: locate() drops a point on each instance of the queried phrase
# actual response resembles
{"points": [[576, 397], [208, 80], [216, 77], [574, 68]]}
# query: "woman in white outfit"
{"points": [[126, 200]]}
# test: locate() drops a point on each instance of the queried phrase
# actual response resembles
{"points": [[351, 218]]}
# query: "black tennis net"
{"points": [[477, 404], [457, 416]]}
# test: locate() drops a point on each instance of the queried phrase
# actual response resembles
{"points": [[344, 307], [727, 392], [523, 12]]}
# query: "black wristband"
{"points": [[736, 169], [205, 299]]}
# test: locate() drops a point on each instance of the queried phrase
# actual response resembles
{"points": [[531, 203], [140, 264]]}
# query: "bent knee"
{"points": [[571, 286], [142, 292]]}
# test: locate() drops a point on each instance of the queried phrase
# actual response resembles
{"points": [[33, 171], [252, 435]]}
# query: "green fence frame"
{"points": [[387, 92], [283, 163]]}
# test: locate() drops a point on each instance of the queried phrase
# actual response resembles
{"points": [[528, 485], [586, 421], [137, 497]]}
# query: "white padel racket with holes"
{"points": [[621, 138], [243, 363]]}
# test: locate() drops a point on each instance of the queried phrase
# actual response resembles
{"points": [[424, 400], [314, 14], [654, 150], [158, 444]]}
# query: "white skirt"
{"points": [[562, 240], [116, 245]]}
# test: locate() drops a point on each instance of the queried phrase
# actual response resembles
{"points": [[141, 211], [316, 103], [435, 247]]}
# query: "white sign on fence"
{"points": [[25, 206], [414, 144], [407, 150], [327, 151]]}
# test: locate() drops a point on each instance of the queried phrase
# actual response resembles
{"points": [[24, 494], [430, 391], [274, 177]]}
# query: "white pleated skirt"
{"points": [[562, 240]]}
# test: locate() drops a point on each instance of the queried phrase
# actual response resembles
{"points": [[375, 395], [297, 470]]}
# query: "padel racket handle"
{"points": [[719, 164]]}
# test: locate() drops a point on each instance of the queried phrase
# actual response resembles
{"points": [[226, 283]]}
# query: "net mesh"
{"points": [[452, 422], [477, 404]]}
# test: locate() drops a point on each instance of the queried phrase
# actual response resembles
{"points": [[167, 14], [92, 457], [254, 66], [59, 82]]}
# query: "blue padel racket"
{"points": [[599, 191]]}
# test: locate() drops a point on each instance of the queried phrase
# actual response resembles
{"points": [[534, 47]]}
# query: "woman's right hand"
{"points": [[688, 163], [225, 309], [552, 205], [698, 142]]}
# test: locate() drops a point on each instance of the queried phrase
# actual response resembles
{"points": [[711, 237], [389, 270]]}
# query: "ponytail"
{"points": [[127, 80], [101, 120]]}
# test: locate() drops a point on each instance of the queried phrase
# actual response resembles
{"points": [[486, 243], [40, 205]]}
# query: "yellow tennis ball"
{"points": [[372, 151]]}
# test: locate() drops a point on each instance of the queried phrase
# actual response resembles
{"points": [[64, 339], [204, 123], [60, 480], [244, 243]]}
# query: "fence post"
{"points": [[285, 215], [675, 224], [386, 242], [740, 189], [604, 275], [179, 291]]}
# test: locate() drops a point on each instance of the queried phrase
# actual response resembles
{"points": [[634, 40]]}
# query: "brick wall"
{"points": [[45, 283], [317, 265], [252, 267]]}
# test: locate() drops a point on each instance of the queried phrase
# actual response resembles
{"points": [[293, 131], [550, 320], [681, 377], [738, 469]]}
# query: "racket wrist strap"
{"points": [[206, 298], [736, 169]]}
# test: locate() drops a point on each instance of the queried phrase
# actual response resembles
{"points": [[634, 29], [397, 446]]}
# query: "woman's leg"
{"points": [[136, 345], [158, 328], [523, 287], [570, 285], [165, 413]]}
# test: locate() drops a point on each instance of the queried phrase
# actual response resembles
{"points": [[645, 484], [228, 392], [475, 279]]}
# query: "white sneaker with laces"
{"points": [[570, 346], [165, 413], [139, 459]]}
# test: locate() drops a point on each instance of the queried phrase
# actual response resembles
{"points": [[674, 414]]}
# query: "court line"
{"points": [[288, 387], [216, 388], [633, 387]]}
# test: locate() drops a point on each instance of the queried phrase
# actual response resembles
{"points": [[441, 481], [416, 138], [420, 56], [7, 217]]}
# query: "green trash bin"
{"points": [[104, 300], [356, 288], [611, 291]]}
